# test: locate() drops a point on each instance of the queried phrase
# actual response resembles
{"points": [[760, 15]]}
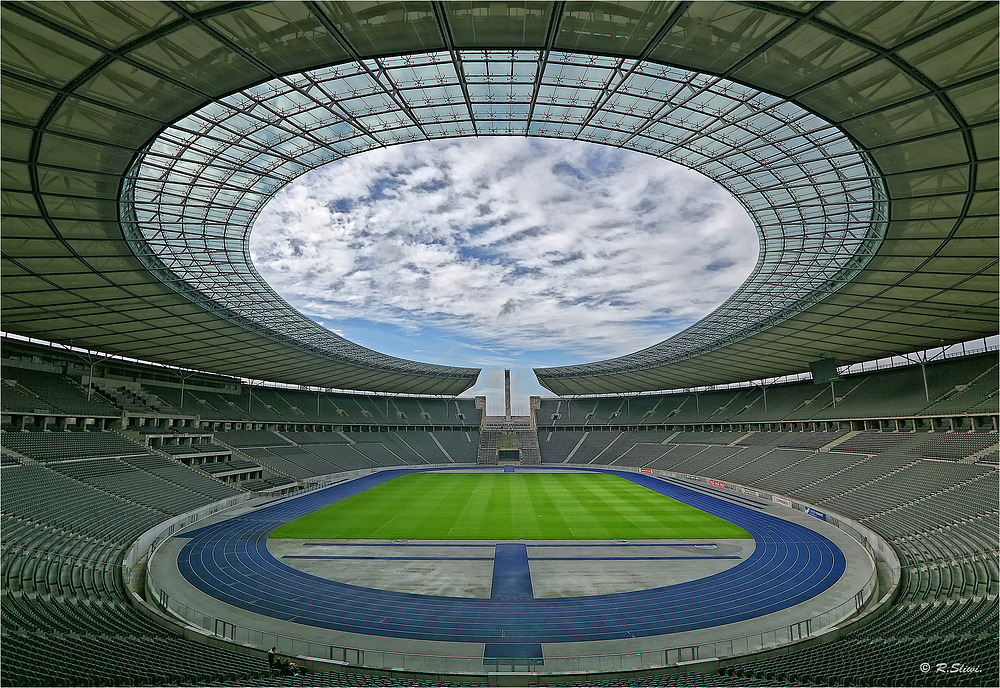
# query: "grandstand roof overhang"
{"points": [[880, 239]]}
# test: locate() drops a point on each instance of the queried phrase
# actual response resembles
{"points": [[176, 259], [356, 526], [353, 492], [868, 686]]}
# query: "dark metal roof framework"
{"points": [[141, 139]]}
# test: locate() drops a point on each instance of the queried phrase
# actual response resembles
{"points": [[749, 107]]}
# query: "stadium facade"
{"points": [[141, 139]]}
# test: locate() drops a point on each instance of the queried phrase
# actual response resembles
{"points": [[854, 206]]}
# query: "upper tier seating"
{"points": [[801, 440], [251, 438], [955, 446], [117, 477], [181, 475], [954, 386], [976, 387], [37, 390], [192, 404], [765, 462], [873, 442], [59, 446], [299, 462], [216, 467], [295, 406], [188, 449], [706, 437], [306, 438]]}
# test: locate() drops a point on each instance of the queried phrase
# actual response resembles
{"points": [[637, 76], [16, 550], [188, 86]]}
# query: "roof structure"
{"points": [[142, 138]]}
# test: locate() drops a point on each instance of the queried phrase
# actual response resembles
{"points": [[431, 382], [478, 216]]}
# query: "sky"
{"points": [[504, 253]]}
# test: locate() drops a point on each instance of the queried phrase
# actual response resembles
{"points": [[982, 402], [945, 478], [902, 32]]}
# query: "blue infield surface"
{"points": [[790, 564]]}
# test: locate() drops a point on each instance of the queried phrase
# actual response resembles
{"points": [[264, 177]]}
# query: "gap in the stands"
{"points": [[504, 252]]}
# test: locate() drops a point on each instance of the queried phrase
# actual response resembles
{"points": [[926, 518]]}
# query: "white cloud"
{"points": [[518, 245]]}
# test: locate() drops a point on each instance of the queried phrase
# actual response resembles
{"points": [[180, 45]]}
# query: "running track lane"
{"points": [[230, 562]]}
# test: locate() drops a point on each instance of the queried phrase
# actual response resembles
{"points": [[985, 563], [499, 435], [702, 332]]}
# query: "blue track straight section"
{"points": [[533, 545], [730, 556], [366, 558], [511, 574], [396, 544], [230, 561]]}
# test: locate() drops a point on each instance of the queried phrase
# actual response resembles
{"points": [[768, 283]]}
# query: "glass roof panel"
{"points": [[281, 34], [916, 155], [41, 53], [978, 101], [133, 89], [890, 25], [804, 57], [194, 57], [959, 52], [622, 27], [715, 36], [390, 27], [498, 23], [111, 24], [913, 119], [22, 102], [197, 189], [985, 139]]}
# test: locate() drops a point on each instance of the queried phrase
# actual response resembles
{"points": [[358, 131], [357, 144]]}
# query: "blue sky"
{"points": [[504, 252]]}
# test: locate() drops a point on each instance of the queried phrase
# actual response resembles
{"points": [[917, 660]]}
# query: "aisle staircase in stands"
{"points": [[518, 429]]}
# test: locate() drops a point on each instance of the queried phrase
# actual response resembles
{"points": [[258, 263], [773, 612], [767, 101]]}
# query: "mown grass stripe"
{"points": [[535, 506]]}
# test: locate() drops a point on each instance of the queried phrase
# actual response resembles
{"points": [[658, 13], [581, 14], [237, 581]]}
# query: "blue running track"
{"points": [[511, 575], [230, 562]]}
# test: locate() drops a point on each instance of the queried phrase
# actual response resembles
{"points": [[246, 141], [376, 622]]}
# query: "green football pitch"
{"points": [[509, 506]]}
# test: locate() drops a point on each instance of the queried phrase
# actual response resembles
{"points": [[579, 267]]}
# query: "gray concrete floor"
{"points": [[452, 574]]}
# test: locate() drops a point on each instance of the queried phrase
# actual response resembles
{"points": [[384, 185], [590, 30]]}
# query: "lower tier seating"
{"points": [[66, 618]]}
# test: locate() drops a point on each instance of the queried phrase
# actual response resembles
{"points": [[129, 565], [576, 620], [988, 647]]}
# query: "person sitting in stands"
{"points": [[288, 668]]}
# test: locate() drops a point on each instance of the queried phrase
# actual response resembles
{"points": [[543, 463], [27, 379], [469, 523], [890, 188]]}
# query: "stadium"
{"points": [[799, 489]]}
